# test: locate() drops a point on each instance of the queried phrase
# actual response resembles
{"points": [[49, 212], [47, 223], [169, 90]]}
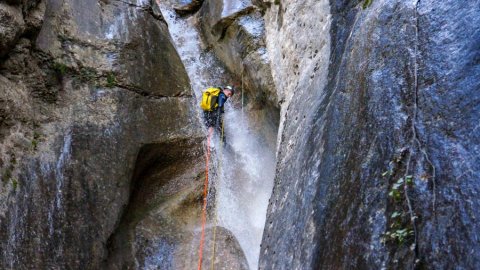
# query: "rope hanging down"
{"points": [[204, 211], [242, 91], [212, 266], [205, 193]]}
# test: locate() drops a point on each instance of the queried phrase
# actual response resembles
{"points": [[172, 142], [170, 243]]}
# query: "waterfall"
{"points": [[245, 185], [247, 168]]}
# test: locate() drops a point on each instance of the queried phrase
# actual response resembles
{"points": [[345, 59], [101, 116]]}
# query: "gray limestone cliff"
{"points": [[85, 89], [373, 107], [235, 30], [98, 128], [378, 151]]}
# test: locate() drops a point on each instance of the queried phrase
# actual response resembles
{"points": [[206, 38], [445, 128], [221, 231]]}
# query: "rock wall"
{"points": [[245, 185], [161, 227], [84, 85], [377, 163], [377, 148], [235, 30]]}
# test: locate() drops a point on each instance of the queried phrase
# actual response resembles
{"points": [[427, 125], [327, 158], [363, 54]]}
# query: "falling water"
{"points": [[246, 172], [246, 185]]}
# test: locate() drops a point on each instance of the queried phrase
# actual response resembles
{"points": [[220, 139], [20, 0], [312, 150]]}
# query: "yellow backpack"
{"points": [[209, 99]]}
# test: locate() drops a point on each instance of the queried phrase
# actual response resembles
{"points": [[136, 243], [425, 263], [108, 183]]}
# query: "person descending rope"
{"points": [[213, 101], [212, 104]]}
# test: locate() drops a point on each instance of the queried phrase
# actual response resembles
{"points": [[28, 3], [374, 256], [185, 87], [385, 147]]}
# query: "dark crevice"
{"points": [[148, 9], [344, 18], [144, 93], [221, 27], [191, 8], [159, 174], [131, 4]]}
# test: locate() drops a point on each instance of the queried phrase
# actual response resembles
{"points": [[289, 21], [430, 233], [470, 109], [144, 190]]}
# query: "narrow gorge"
{"points": [[351, 142]]}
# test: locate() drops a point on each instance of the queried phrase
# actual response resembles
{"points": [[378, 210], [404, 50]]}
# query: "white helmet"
{"points": [[231, 88]]}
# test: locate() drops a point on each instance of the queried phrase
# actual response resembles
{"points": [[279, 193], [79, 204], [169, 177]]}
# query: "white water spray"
{"points": [[245, 185], [246, 173]]}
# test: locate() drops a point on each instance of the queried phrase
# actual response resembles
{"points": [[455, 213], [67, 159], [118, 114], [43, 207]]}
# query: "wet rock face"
{"points": [[84, 85], [17, 19], [397, 96], [235, 30], [161, 227], [12, 25], [189, 8]]}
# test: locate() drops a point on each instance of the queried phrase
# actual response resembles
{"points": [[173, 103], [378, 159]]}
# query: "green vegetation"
{"points": [[366, 3], [399, 235], [34, 144], [111, 81], [277, 2], [395, 192], [83, 74], [7, 174], [36, 137], [87, 74], [60, 68], [14, 184], [409, 180], [400, 229], [13, 159]]}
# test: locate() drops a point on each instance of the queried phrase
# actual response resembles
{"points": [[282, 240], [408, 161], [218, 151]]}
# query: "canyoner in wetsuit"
{"points": [[212, 104]]}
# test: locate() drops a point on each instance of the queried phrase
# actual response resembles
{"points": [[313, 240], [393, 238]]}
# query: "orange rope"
{"points": [[217, 189], [204, 212]]}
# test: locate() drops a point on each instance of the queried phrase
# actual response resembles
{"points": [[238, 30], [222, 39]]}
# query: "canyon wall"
{"points": [[84, 86], [372, 108], [377, 162]]}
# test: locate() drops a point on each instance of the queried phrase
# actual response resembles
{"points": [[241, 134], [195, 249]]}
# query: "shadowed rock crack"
{"points": [[162, 186], [148, 9], [188, 9], [415, 141], [143, 93], [221, 27]]}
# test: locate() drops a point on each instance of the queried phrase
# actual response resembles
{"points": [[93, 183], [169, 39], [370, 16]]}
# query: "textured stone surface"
{"points": [[189, 8], [12, 26], [397, 92], [81, 93], [161, 228], [100, 156], [235, 30]]}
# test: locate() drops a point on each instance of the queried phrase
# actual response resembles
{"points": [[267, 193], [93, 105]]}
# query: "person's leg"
{"points": [[209, 120], [221, 129]]}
